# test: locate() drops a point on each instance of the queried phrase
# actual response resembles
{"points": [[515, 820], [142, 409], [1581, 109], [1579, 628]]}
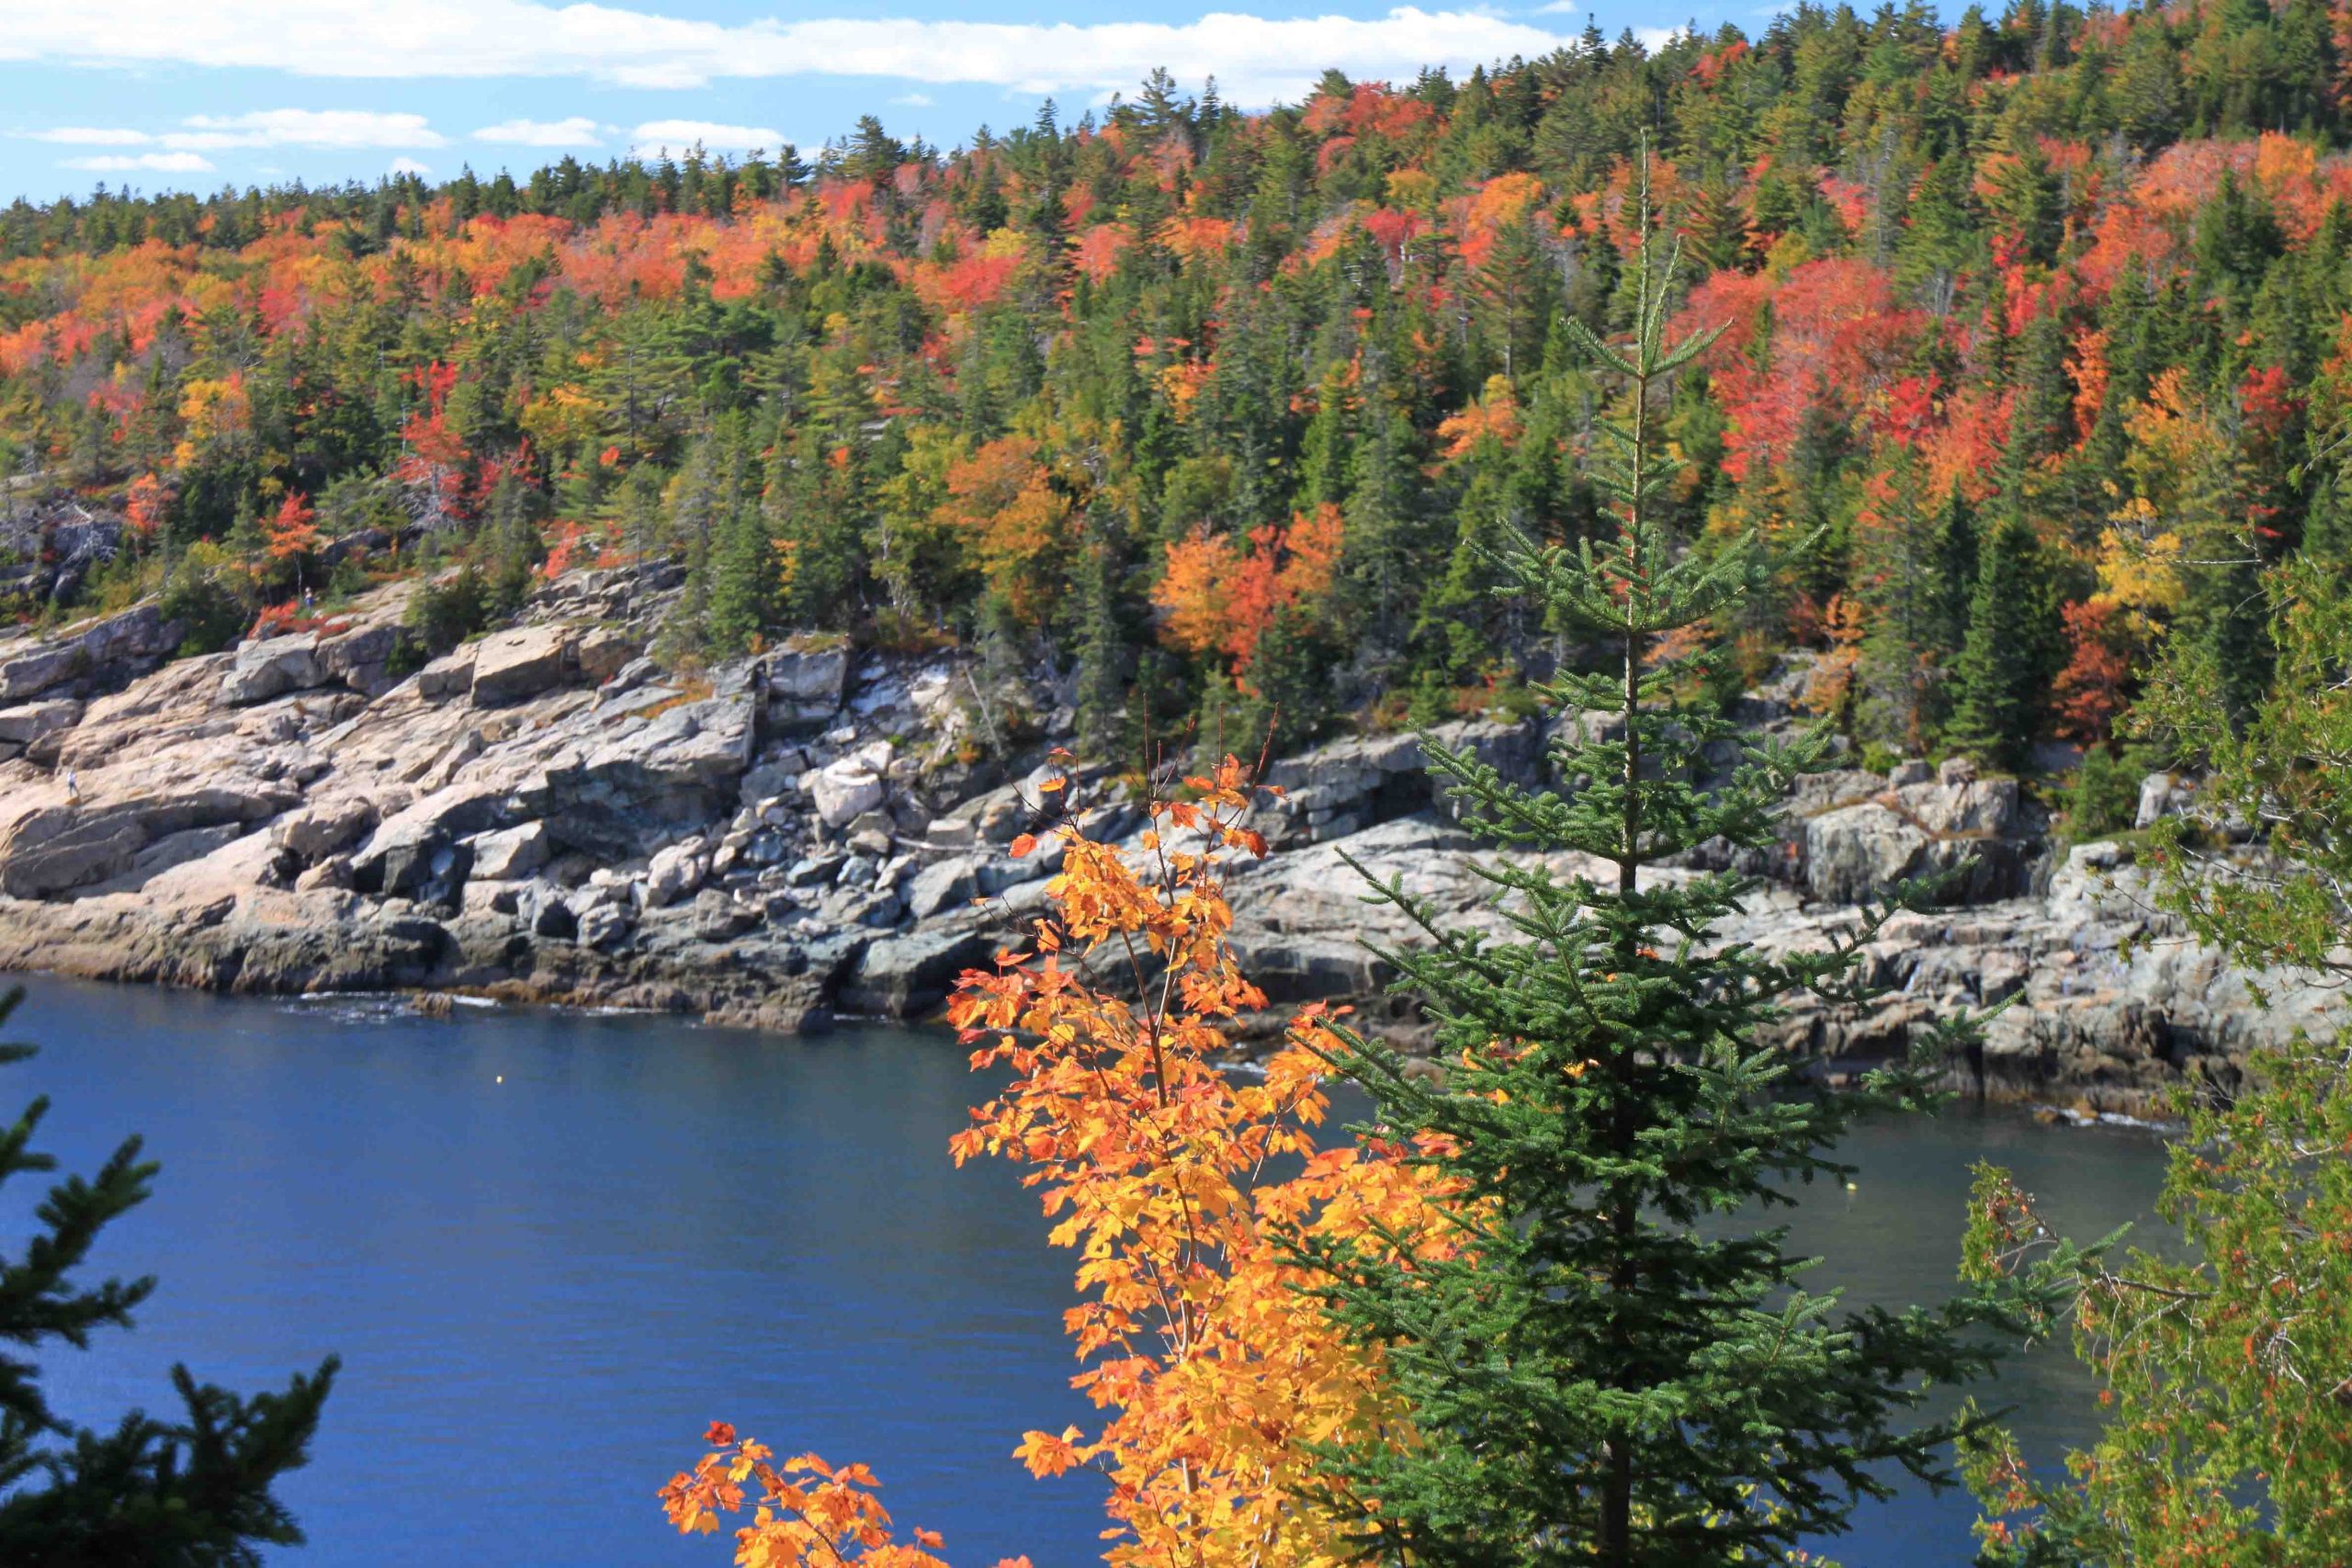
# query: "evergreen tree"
{"points": [[163, 1494], [744, 582], [2009, 656], [1620, 1365]]}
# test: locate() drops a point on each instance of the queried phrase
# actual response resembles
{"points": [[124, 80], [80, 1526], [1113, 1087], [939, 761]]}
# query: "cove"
{"points": [[543, 1288]]}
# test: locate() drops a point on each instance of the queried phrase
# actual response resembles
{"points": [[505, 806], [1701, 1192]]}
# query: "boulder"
{"points": [[273, 667], [998, 873], [1987, 807], [603, 926], [314, 832], [910, 975], [806, 679], [1856, 852], [361, 657], [451, 675], [509, 853], [772, 778], [512, 665], [2161, 795], [678, 769], [718, 917], [549, 917], [846, 790], [676, 872], [421, 848], [605, 652]]}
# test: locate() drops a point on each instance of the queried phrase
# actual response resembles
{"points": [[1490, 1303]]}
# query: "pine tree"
{"points": [[1623, 1366], [185, 1494]]}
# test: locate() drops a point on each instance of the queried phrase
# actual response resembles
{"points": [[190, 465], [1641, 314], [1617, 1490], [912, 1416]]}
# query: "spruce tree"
{"points": [[1622, 1364], [2009, 660], [746, 579], [187, 1494]]}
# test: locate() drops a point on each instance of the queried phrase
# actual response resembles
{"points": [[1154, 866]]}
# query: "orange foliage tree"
{"points": [[1018, 522], [1218, 599], [1219, 1373], [293, 529]]}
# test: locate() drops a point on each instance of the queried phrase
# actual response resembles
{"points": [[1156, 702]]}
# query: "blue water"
{"points": [[544, 1288]]}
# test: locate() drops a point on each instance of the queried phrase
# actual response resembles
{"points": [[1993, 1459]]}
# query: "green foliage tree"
{"points": [[2222, 1355], [1624, 1366], [187, 1494]]}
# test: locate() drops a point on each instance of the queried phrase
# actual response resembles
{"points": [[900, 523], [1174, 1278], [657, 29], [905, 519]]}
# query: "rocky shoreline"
{"points": [[548, 814]]}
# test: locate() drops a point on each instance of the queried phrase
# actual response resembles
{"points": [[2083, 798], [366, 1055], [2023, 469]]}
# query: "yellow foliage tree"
{"points": [[1218, 1372]]}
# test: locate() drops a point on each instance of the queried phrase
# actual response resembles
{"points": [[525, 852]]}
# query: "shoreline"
{"points": [[547, 816]]}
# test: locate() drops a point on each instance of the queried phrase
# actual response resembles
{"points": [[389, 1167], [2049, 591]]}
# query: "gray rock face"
{"points": [[582, 825], [112, 648], [26, 728], [909, 976], [944, 885], [1853, 850], [1349, 785], [806, 679], [273, 668]]}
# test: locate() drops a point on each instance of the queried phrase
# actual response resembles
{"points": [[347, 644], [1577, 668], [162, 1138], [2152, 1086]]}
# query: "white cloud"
{"points": [[409, 166], [90, 136], [258, 128], [158, 162], [577, 132], [913, 100], [1255, 59], [305, 127], [677, 135]]}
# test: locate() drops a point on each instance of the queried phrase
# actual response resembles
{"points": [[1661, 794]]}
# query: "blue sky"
{"points": [[196, 93]]}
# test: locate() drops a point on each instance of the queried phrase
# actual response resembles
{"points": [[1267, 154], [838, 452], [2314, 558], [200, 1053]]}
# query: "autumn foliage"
{"points": [[1220, 596], [1217, 1376]]}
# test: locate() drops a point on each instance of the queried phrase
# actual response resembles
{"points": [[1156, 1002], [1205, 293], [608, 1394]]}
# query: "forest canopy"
{"points": [[2031, 330]]}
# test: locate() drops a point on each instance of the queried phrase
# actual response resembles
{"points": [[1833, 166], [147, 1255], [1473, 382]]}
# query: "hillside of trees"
{"points": [[2034, 330]]}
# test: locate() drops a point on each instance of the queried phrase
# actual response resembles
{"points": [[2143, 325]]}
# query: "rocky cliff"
{"points": [[546, 814]]}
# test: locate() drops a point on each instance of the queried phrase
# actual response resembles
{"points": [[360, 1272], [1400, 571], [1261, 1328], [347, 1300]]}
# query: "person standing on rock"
{"points": [[72, 788]]}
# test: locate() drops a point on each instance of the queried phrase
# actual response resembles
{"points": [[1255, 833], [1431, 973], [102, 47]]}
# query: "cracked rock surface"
{"points": [[547, 814]]}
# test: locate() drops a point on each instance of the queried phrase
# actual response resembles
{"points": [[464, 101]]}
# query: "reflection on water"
{"points": [[551, 1248]]}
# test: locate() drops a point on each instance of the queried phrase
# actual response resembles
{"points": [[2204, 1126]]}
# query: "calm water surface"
{"points": [[544, 1288]]}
